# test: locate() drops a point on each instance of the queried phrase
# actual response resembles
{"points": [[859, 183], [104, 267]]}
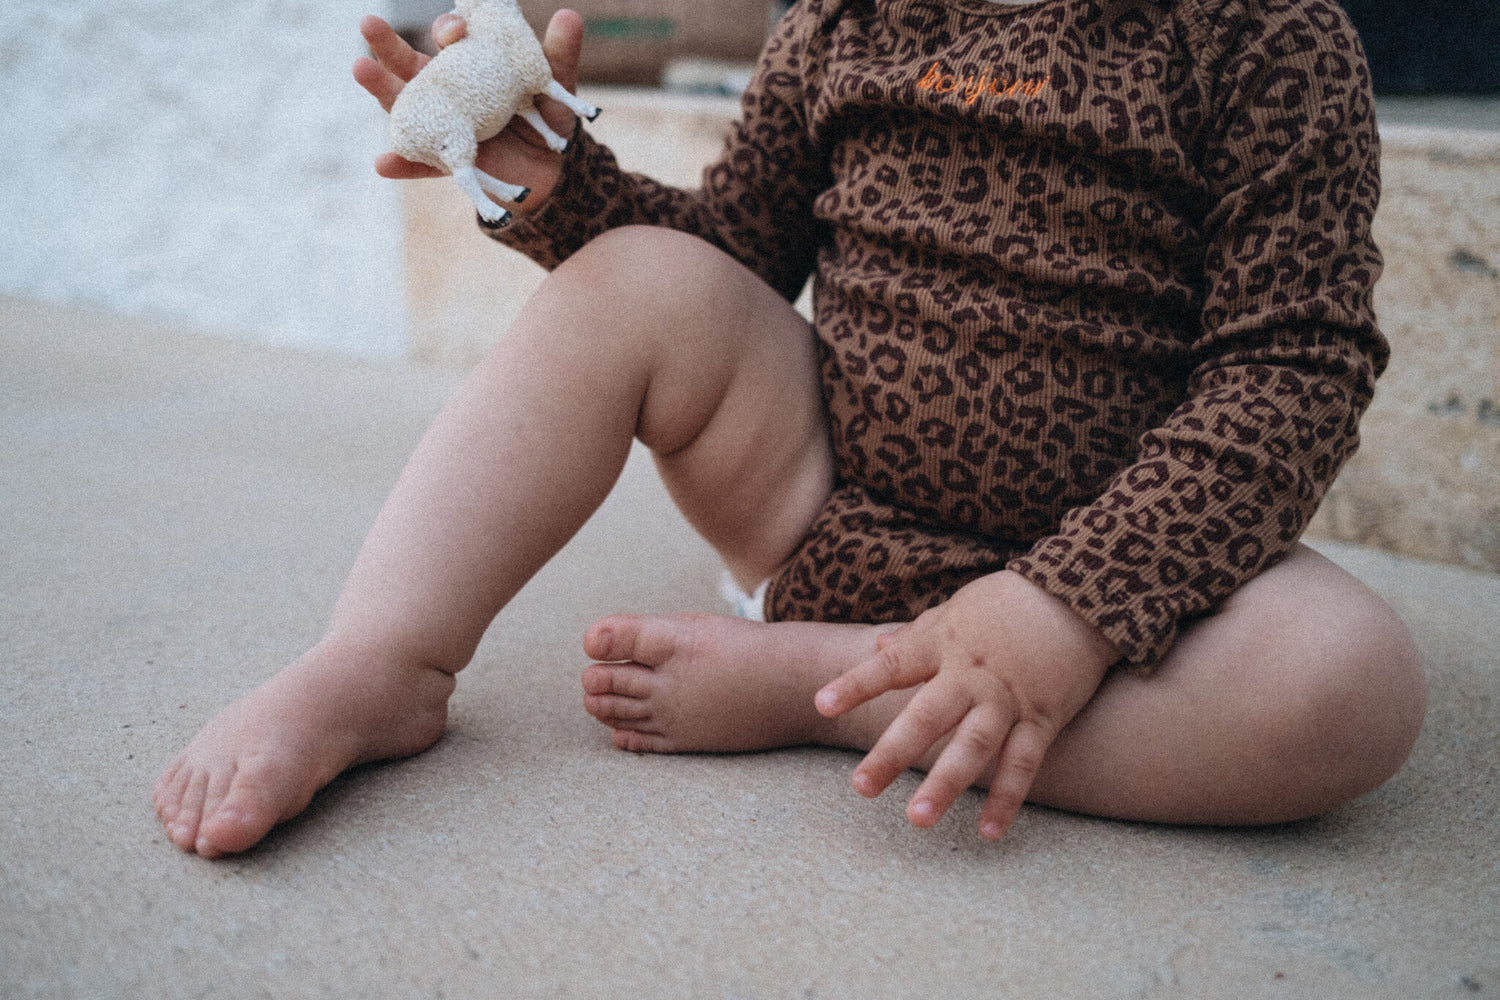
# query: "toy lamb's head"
{"points": [[469, 92]]}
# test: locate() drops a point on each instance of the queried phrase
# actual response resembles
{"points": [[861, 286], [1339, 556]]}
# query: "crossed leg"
{"points": [[1261, 713], [645, 333], [1301, 693]]}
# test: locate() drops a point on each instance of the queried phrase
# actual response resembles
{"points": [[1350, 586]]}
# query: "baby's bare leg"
{"points": [[645, 333], [1302, 693]]}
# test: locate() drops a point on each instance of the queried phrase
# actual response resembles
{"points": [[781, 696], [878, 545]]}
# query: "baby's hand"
{"points": [[517, 153], [393, 67], [1007, 665]]}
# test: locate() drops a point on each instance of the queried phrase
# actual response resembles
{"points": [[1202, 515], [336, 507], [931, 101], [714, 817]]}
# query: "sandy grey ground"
{"points": [[176, 515]]}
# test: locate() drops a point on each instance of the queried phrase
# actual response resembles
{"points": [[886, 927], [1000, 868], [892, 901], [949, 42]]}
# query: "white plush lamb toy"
{"points": [[469, 92]]}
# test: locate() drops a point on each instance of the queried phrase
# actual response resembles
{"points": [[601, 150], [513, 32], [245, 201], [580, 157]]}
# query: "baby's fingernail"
{"points": [[827, 702], [991, 830], [864, 786], [923, 813]]}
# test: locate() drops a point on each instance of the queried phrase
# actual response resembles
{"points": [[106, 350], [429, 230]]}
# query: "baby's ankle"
{"points": [[385, 655]]}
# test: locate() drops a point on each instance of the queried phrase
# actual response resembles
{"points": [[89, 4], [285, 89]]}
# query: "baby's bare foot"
{"points": [[260, 761], [711, 683]]}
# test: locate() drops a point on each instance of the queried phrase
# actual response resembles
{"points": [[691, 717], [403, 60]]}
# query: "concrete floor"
{"points": [[176, 515]]}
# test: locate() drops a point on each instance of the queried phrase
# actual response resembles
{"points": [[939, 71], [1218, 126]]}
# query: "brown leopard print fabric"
{"points": [[1092, 288]]}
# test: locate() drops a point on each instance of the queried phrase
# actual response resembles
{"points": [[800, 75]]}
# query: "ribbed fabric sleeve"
{"points": [[1288, 351]]}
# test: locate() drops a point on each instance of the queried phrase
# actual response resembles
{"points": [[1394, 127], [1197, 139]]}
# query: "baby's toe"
{"points": [[219, 784], [167, 795], [617, 693], [257, 798], [182, 827], [628, 680], [612, 639], [613, 709], [649, 640]]}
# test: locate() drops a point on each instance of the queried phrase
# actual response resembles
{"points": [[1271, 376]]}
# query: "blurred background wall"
{"points": [[1430, 47], [209, 163], [202, 162]]}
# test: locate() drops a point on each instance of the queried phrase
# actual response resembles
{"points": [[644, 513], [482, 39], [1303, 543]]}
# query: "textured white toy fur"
{"points": [[469, 92]]}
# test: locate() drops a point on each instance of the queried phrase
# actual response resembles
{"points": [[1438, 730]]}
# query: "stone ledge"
{"points": [[1426, 482], [1440, 145]]}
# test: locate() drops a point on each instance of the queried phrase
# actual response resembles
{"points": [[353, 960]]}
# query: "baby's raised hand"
{"points": [[1006, 665], [517, 153]]}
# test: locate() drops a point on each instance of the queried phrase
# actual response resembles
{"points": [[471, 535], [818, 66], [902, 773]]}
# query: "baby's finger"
{"points": [[898, 665], [1019, 762], [920, 725], [381, 83], [447, 29], [390, 48], [562, 44], [969, 755], [398, 168]]}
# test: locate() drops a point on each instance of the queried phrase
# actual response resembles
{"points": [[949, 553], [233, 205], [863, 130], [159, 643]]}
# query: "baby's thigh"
{"points": [[733, 404], [1301, 692]]}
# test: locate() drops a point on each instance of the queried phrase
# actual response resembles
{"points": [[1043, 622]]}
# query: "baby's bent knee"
{"points": [[650, 261], [1365, 704], [1339, 687]]}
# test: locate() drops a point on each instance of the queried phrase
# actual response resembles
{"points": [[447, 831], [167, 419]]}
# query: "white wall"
{"points": [[202, 161]]}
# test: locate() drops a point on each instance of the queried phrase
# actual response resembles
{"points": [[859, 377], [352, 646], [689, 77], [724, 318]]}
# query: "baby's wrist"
{"points": [[1076, 636]]}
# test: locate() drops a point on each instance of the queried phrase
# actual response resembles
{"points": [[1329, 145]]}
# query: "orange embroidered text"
{"points": [[974, 87]]}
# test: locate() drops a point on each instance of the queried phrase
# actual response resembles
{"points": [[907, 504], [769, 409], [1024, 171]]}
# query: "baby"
{"points": [[1021, 506]]}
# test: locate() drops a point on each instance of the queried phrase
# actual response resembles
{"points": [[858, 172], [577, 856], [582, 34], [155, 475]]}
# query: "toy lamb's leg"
{"points": [[534, 118], [578, 106], [475, 183], [575, 104], [514, 193]]}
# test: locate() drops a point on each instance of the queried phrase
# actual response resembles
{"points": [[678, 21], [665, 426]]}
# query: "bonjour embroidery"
{"points": [[974, 87]]}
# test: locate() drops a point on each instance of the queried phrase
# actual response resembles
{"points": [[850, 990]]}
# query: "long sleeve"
{"points": [[754, 202], [1287, 357]]}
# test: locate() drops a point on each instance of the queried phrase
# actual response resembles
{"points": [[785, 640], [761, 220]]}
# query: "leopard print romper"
{"points": [[1092, 288]]}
